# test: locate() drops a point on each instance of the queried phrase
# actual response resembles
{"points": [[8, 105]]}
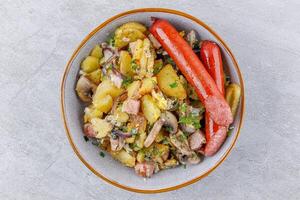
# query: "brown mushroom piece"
{"points": [[116, 143], [184, 152], [196, 140], [166, 119], [179, 140], [170, 121], [85, 89]]}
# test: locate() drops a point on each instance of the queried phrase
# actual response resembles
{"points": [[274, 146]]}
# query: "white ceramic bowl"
{"points": [[111, 170]]}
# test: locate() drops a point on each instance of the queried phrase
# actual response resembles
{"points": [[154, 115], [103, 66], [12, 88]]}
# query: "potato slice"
{"points": [[90, 64], [150, 109], [101, 126], [104, 104], [124, 157], [97, 52], [94, 76], [137, 49], [133, 90], [169, 83], [106, 87], [125, 64], [90, 113], [134, 25], [147, 85], [233, 95], [123, 36], [121, 116], [140, 157]]}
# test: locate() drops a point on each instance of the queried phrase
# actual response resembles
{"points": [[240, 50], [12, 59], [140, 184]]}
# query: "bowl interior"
{"points": [[110, 168]]}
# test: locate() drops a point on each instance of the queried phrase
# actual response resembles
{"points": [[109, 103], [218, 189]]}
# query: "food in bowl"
{"points": [[156, 98]]}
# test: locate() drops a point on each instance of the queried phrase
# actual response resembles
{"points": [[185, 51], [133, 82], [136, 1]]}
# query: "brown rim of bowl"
{"points": [[62, 100]]}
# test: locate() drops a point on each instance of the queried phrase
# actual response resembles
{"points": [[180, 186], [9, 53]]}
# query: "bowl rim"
{"points": [[83, 42]]}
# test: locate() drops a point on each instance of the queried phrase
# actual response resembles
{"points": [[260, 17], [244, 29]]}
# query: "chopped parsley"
{"points": [[182, 138], [102, 154], [190, 120], [86, 138], [126, 81], [173, 85], [158, 65], [183, 108], [134, 65], [111, 41], [168, 128]]}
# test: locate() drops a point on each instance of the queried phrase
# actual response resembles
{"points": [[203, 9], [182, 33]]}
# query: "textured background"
{"points": [[37, 39]]}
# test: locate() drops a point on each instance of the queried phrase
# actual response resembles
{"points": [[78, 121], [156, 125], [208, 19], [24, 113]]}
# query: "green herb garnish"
{"points": [[190, 120], [183, 107], [111, 41], [173, 85], [168, 128], [134, 65], [102, 154], [182, 137], [184, 166], [127, 80], [158, 65]]}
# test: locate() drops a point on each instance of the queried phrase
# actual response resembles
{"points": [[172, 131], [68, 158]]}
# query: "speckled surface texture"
{"points": [[37, 39]]}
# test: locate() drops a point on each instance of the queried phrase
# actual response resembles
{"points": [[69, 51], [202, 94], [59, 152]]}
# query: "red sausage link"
{"points": [[194, 71], [210, 55]]}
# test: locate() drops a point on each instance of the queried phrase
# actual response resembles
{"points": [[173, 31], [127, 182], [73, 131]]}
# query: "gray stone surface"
{"points": [[37, 39]]}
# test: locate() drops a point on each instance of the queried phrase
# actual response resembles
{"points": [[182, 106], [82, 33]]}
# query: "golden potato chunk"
{"points": [[90, 64], [150, 109], [169, 83], [125, 64], [97, 52], [124, 157], [106, 87], [134, 25], [133, 90], [233, 95], [90, 113], [101, 126], [94, 76], [147, 85], [104, 104], [123, 36]]}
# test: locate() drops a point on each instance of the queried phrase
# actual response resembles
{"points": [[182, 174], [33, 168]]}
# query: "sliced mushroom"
{"points": [[122, 134], [166, 119], [153, 133], [170, 121], [194, 159], [85, 89], [188, 128], [196, 140], [116, 143], [180, 141]]}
